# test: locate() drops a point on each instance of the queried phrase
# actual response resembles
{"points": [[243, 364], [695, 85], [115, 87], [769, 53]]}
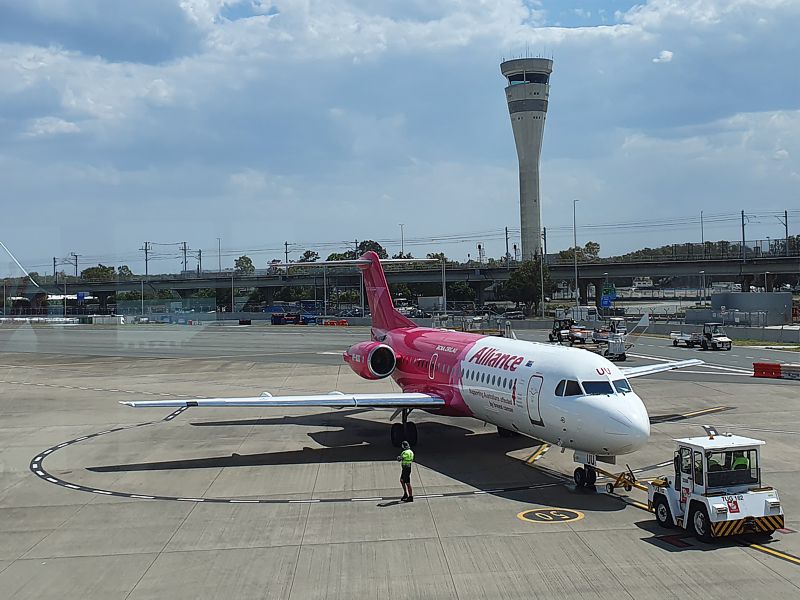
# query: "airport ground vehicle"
{"points": [[716, 490], [560, 331], [292, 318], [714, 337], [691, 339], [616, 326], [711, 338]]}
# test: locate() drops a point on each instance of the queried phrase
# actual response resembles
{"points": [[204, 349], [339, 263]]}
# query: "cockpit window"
{"points": [[560, 387], [573, 388], [622, 386], [598, 388]]}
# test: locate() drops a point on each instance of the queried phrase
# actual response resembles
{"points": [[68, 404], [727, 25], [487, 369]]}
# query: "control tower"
{"points": [[526, 94]]}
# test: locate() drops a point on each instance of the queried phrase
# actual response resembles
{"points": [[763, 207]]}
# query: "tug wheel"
{"points": [[663, 513], [701, 524]]}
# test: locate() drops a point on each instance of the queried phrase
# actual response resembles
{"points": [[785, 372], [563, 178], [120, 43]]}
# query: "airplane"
{"points": [[562, 396]]}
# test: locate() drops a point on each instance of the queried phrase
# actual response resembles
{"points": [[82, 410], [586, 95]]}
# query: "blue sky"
{"points": [[311, 121]]}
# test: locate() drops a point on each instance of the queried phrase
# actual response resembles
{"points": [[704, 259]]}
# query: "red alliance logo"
{"points": [[491, 357]]}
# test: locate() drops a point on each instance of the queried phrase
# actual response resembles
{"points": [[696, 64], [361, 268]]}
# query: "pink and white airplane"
{"points": [[563, 396]]}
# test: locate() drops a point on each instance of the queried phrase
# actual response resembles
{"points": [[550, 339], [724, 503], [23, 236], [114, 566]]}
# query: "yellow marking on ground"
{"points": [[537, 454], [704, 411], [787, 557]]}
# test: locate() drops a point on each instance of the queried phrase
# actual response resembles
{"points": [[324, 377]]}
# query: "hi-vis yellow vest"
{"points": [[406, 458]]}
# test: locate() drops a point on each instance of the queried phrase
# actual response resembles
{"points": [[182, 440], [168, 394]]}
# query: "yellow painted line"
{"points": [[782, 555], [704, 411], [537, 454]]}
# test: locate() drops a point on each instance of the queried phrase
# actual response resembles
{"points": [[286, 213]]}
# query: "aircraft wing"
{"points": [[631, 372], [332, 400]]}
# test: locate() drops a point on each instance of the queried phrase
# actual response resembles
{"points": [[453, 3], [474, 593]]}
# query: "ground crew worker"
{"points": [[405, 459]]}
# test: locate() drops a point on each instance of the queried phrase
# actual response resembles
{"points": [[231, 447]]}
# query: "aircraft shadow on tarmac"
{"points": [[478, 460]]}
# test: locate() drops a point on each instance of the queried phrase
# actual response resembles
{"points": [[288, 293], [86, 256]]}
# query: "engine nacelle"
{"points": [[371, 360]]}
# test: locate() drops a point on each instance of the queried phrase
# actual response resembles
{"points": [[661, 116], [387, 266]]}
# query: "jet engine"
{"points": [[371, 360]]}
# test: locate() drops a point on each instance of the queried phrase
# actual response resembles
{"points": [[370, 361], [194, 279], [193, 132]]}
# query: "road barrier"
{"points": [[776, 370], [336, 323]]}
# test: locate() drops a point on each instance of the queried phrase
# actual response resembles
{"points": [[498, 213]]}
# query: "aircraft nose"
{"points": [[631, 427]]}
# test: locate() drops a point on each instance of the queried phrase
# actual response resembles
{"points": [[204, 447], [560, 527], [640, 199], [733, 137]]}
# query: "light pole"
{"points": [[444, 287], [402, 241], [575, 254], [233, 295], [702, 235], [141, 294], [4, 297], [219, 255], [703, 284], [765, 280]]}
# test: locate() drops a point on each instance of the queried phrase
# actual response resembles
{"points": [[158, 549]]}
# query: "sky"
{"points": [[312, 122]]}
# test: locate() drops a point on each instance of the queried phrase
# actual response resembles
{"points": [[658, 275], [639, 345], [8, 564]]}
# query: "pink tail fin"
{"points": [[384, 315]]}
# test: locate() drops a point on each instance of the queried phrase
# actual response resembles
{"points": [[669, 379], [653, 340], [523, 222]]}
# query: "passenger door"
{"points": [[432, 366], [687, 485], [533, 396]]}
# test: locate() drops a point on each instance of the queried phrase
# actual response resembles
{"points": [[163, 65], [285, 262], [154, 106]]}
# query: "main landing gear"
{"points": [[585, 476], [405, 431]]}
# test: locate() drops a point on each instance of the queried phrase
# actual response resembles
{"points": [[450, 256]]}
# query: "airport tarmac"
{"points": [[247, 503]]}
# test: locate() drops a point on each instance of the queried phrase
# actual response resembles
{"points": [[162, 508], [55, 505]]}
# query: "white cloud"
{"points": [[664, 56], [48, 126], [340, 104]]}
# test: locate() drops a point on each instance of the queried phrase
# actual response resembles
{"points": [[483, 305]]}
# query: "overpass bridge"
{"points": [[596, 272]]}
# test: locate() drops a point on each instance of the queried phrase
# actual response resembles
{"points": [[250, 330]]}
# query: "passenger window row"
{"points": [[489, 379]]}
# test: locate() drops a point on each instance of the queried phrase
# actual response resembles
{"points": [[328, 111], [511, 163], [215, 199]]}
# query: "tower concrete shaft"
{"points": [[527, 95]]}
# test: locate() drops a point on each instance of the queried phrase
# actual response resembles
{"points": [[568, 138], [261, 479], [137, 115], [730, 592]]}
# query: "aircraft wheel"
{"points": [[580, 477], [663, 513], [411, 433], [591, 477], [396, 433]]}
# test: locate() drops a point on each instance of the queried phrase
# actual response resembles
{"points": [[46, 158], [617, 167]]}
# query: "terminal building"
{"points": [[527, 95]]}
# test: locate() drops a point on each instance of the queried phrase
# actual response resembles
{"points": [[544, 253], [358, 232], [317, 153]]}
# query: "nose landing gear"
{"points": [[585, 476]]}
